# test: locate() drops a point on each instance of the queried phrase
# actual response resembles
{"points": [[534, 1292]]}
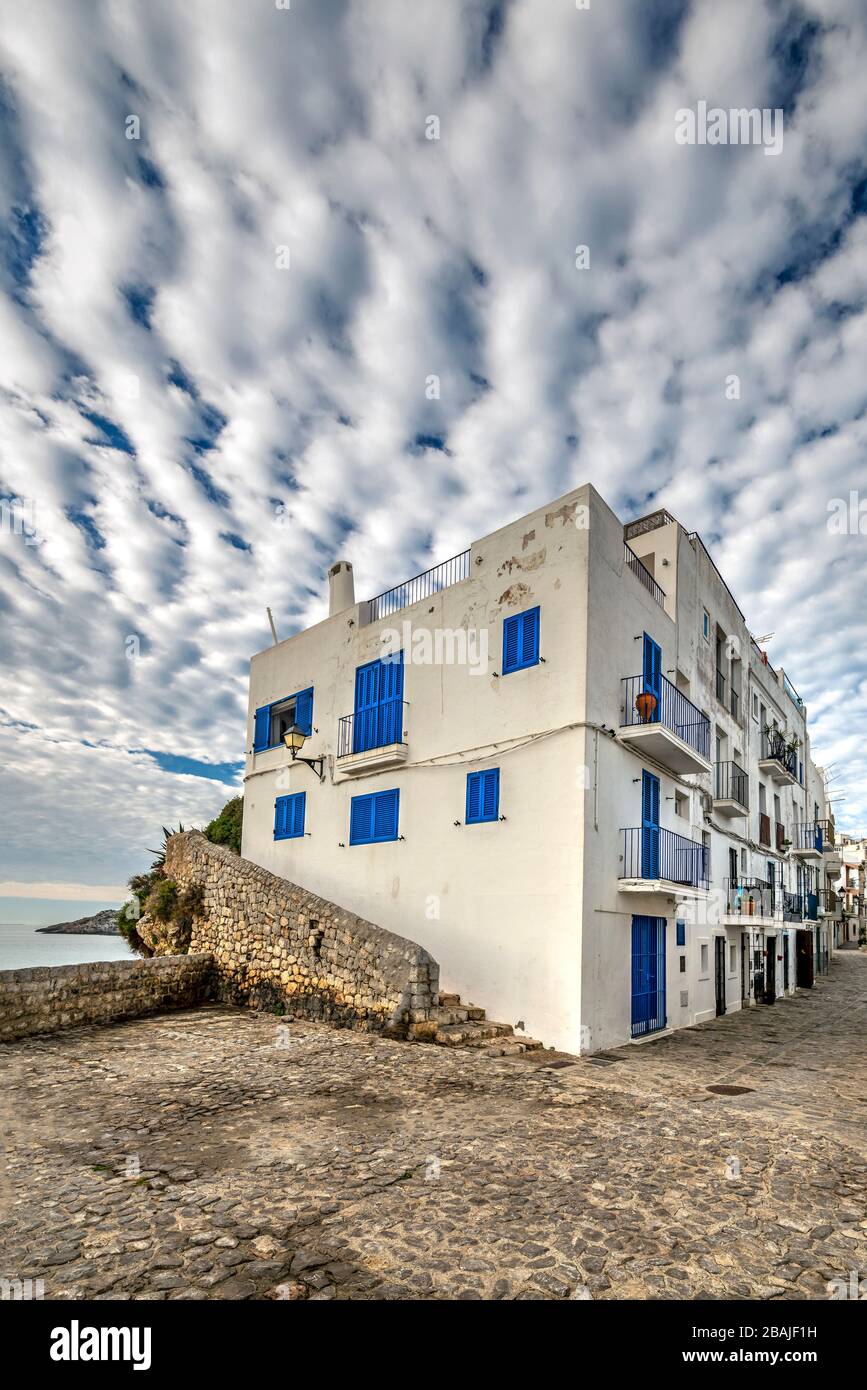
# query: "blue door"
{"points": [[378, 704], [648, 975], [649, 825], [653, 672]]}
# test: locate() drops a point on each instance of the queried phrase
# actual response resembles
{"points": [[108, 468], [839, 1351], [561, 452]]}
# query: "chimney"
{"points": [[341, 587]]}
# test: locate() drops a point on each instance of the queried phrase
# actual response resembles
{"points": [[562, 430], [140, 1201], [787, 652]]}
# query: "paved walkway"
{"points": [[223, 1154]]}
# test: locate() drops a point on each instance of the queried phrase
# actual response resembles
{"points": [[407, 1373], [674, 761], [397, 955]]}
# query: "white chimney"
{"points": [[341, 587]]}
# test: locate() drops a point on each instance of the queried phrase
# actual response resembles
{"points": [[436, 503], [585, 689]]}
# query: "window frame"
{"points": [[271, 707], [519, 619], [479, 777], [283, 801], [374, 839]]}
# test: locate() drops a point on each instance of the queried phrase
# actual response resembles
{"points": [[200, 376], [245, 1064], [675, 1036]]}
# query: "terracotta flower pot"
{"points": [[646, 704]]}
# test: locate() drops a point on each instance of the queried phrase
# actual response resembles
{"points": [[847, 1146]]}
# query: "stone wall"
{"points": [[277, 945], [46, 997]]}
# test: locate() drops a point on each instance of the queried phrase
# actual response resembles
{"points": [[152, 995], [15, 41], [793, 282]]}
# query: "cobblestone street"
{"points": [[218, 1153]]}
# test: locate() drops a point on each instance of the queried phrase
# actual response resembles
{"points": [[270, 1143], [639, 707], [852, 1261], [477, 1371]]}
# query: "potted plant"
{"points": [[646, 704]]}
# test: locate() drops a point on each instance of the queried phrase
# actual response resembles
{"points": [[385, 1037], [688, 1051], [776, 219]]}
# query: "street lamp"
{"points": [[294, 740]]}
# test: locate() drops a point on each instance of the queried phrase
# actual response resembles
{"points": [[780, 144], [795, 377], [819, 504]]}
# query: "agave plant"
{"points": [[161, 853]]}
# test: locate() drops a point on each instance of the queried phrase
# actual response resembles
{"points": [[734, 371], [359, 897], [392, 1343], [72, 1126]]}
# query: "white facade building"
{"points": [[560, 763]]}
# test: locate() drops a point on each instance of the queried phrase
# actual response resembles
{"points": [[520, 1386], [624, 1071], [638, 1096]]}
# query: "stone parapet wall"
{"points": [[278, 946], [47, 998]]}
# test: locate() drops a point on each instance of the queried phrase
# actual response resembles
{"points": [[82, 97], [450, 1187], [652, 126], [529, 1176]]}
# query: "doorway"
{"points": [[719, 946], [771, 971], [804, 959], [745, 967], [648, 975]]}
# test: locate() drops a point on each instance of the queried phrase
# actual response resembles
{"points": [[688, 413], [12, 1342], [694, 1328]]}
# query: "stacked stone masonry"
{"points": [[47, 998], [276, 945]]}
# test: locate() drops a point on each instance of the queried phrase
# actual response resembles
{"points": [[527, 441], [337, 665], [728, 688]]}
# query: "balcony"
{"points": [[807, 840], [764, 830], [662, 723], [731, 796], [372, 739], [793, 907], [749, 902], [421, 586], [661, 862], [778, 759], [780, 840], [811, 907], [643, 575], [830, 904]]}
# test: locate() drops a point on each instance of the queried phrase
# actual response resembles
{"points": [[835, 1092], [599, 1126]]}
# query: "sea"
{"points": [[22, 946]]}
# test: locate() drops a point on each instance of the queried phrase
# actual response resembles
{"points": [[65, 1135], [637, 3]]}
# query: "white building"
{"points": [[560, 763]]}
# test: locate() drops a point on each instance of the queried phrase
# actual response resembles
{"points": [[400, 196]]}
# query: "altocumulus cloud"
{"points": [[215, 341]]}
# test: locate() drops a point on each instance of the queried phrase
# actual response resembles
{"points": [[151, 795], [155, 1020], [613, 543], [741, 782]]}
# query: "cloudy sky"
{"points": [[230, 259]]}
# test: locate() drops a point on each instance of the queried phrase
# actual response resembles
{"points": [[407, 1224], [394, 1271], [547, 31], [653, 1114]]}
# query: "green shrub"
{"points": [[225, 829]]}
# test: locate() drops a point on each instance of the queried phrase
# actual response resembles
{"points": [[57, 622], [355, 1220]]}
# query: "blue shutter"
{"points": [[299, 804], [289, 816], [483, 796], [530, 638], [361, 820], [304, 710], [681, 933], [385, 815], [474, 797], [649, 825], [511, 634], [279, 817], [262, 728], [653, 669]]}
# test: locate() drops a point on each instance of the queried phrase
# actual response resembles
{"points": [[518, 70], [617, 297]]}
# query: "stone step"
{"points": [[508, 1047], [450, 1001], [471, 1033], [452, 1015]]}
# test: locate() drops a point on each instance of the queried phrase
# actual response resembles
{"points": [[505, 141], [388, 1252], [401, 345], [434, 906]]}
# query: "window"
{"points": [[272, 721], [733, 960], [289, 816], [521, 641], [705, 626], [681, 804], [680, 927], [483, 796], [755, 705], [704, 959], [683, 965], [373, 818]]}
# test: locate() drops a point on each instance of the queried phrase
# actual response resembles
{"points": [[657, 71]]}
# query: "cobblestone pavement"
{"points": [[218, 1153]]}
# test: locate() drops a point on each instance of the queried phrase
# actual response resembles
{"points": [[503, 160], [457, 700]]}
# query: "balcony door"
{"points": [[649, 825], [378, 718], [653, 673]]}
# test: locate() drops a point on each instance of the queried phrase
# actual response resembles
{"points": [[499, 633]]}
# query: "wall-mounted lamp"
{"points": [[295, 739]]}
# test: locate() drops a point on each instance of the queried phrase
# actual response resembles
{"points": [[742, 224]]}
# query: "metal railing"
{"points": [[764, 829], [829, 902], [793, 907], [774, 747], [720, 686], [376, 727], [807, 835], [811, 907], [646, 703], [749, 897], [421, 586], [780, 836], [731, 783], [641, 572], [653, 853], [829, 833], [735, 704]]}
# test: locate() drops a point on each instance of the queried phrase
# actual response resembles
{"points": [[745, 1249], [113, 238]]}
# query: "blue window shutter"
{"points": [[385, 806], [279, 816], [474, 796], [491, 793], [304, 710], [361, 820], [299, 805], [261, 728], [530, 637], [511, 634], [681, 933]]}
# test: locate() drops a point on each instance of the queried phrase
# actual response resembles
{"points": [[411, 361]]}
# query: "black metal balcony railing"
{"points": [[663, 703], [421, 586], [764, 829], [371, 728], [642, 573], [829, 901], [720, 686], [749, 897], [774, 746], [780, 836], [731, 783], [808, 835], [811, 907], [793, 907], [650, 852]]}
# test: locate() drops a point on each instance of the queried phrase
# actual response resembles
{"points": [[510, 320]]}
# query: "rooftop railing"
{"points": [[421, 586], [642, 573]]}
